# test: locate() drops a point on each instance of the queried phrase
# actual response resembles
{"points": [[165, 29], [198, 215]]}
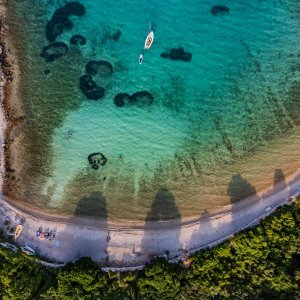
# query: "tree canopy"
{"points": [[262, 262]]}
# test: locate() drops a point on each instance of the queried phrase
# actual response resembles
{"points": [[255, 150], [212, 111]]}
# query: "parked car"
{"points": [[267, 209]]}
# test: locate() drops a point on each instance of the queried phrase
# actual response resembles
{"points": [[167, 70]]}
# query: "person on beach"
{"points": [[108, 237]]}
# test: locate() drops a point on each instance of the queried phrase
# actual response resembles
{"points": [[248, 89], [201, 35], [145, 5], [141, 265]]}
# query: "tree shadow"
{"points": [[162, 209], [214, 226], [77, 241], [92, 206], [279, 179], [239, 188], [280, 184]]}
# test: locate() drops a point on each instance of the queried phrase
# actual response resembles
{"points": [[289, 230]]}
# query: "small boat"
{"points": [[141, 59], [18, 231], [149, 40], [29, 251]]}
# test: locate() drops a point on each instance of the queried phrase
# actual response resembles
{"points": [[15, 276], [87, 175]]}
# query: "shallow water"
{"points": [[211, 117]]}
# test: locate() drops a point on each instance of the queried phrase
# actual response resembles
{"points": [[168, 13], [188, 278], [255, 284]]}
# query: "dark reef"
{"points": [[121, 99], [100, 67], [78, 39], [60, 20], [139, 98], [54, 51], [177, 54], [96, 160], [90, 89], [142, 98], [219, 10], [75, 8], [110, 34], [87, 85], [116, 35]]}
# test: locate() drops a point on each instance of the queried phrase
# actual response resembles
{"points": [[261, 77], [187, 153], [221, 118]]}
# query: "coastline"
{"points": [[12, 114], [131, 245], [2, 117], [93, 233]]}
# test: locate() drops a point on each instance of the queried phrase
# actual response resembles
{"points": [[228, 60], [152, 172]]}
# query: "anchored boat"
{"points": [[149, 40]]}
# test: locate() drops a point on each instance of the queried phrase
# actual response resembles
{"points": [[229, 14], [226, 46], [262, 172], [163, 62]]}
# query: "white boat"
{"points": [[141, 59], [29, 251], [149, 40]]}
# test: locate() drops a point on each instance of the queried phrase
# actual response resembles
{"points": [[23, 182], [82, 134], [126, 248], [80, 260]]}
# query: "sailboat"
{"points": [[149, 40]]}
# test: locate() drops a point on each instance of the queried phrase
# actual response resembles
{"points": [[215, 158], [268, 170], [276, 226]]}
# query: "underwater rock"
{"points": [[60, 19], [121, 99], [219, 10], [67, 24], [116, 35], [53, 30], [139, 98], [100, 67], [75, 8], [53, 51], [78, 39], [90, 89], [143, 98], [47, 72], [177, 54], [96, 160], [60, 14], [108, 34], [57, 24]]}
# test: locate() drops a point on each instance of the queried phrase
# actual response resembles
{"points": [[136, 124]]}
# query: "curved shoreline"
{"points": [[96, 223], [132, 246], [132, 243]]}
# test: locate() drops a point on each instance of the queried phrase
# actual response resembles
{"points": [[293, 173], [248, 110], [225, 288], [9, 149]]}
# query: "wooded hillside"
{"points": [[259, 263]]}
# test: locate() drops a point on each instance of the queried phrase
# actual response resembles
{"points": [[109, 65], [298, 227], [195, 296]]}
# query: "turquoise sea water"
{"points": [[233, 98]]}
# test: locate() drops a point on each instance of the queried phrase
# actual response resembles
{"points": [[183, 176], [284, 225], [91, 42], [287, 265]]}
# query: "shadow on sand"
{"points": [[163, 215], [77, 240], [92, 206], [279, 179], [162, 209], [214, 227], [239, 188]]}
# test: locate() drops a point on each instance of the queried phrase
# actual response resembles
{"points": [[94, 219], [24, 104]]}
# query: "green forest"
{"points": [[258, 263]]}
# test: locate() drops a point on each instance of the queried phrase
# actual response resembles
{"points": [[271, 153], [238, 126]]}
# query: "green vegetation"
{"points": [[258, 263]]}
